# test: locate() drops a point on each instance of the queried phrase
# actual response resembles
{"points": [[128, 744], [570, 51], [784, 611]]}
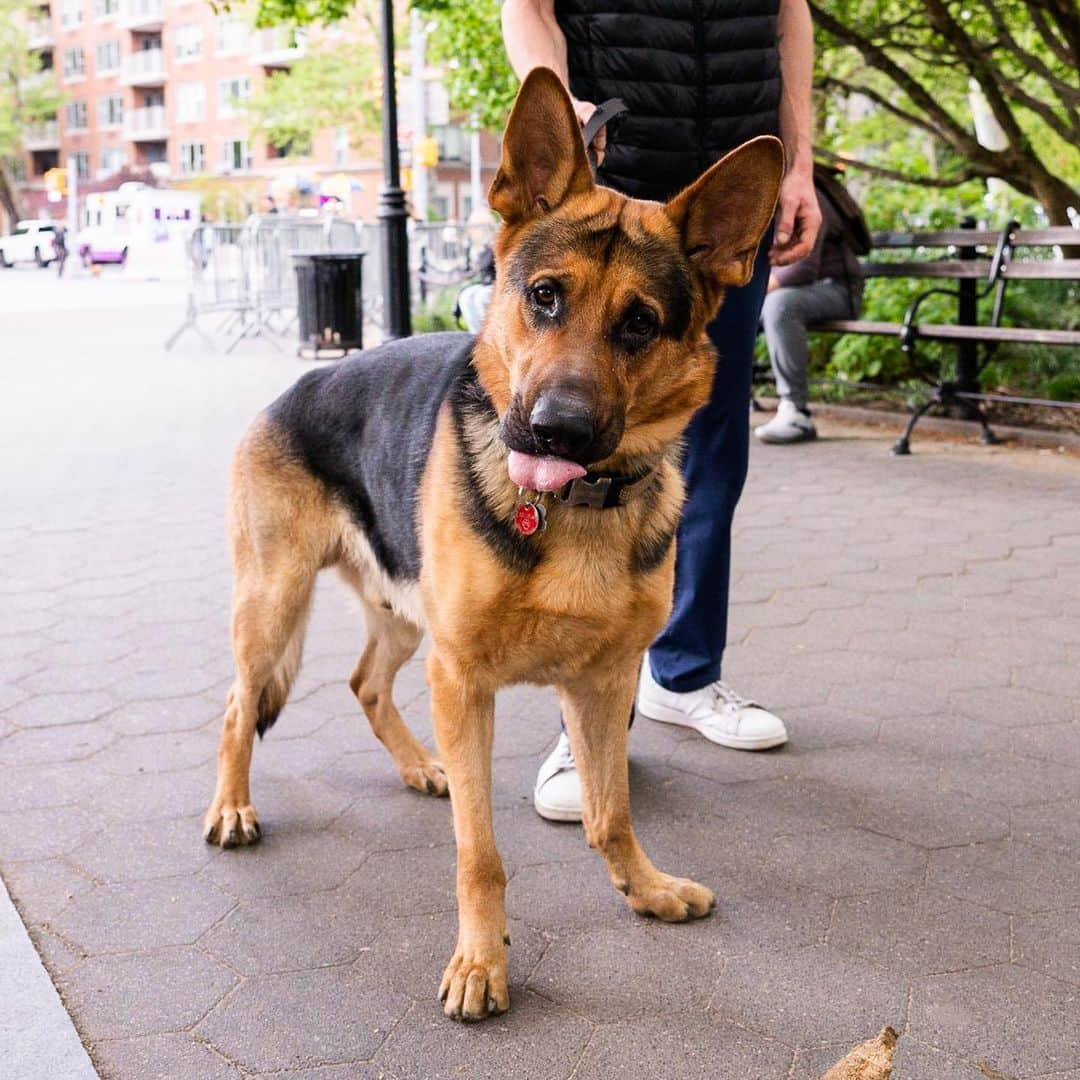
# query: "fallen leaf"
{"points": [[871, 1060]]}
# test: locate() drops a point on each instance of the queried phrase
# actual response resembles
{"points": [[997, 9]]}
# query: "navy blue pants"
{"points": [[688, 653]]}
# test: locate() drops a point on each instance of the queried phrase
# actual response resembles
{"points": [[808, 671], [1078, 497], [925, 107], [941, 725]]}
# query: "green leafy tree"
{"points": [[923, 63], [466, 37], [26, 95], [328, 87]]}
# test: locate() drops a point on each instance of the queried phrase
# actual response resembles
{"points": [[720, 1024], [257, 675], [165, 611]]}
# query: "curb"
{"points": [[38, 1041]]}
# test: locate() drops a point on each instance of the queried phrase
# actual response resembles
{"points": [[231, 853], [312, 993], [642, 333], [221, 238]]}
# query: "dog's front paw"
{"points": [[426, 776], [474, 985], [230, 825], [671, 899]]}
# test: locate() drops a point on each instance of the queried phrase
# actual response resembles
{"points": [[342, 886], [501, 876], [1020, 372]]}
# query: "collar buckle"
{"points": [[586, 491]]}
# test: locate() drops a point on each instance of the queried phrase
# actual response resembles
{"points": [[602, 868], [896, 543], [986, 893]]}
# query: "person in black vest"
{"points": [[699, 77]]}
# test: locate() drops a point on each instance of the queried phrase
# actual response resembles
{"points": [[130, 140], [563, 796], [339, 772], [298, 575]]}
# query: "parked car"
{"points": [[29, 241], [98, 245]]}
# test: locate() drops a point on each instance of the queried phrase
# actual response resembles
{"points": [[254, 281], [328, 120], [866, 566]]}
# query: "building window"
{"points": [[341, 146], [110, 110], [231, 35], [82, 164], [192, 157], [108, 57], [187, 41], [75, 116], [112, 160], [74, 62], [235, 155], [107, 9], [232, 92], [453, 143], [190, 102], [71, 14]]}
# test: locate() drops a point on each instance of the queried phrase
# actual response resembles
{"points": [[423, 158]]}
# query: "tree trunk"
{"points": [[1055, 196], [9, 195]]}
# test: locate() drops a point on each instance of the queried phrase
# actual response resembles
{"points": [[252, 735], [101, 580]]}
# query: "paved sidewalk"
{"points": [[908, 859]]}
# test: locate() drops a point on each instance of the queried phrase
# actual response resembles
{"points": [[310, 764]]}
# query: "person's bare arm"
{"points": [[798, 216], [533, 38]]}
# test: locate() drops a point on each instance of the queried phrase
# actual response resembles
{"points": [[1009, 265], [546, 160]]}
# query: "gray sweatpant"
{"points": [[785, 316]]}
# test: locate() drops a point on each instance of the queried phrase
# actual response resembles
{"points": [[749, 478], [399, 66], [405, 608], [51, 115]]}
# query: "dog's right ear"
{"points": [[543, 152]]}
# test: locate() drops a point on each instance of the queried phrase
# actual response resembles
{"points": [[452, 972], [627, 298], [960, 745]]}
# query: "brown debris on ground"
{"points": [[871, 1060]]}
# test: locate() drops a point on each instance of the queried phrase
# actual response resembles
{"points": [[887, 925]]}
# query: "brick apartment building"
{"points": [[156, 88]]}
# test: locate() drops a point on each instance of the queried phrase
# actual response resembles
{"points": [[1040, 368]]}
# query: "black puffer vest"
{"points": [[698, 76]]}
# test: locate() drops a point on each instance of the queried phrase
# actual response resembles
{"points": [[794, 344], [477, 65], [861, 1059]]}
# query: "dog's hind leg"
{"points": [[392, 640], [279, 539]]}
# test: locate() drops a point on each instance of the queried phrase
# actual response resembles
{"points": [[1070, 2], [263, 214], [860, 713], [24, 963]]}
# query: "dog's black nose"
{"points": [[561, 423]]}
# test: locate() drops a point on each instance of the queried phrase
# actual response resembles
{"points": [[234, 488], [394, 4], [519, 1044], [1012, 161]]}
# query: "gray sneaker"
{"points": [[789, 425]]}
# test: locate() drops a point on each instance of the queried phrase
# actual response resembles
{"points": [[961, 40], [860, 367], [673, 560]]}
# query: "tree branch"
{"points": [[951, 131], [1068, 129], [902, 177], [1067, 94], [830, 81]]}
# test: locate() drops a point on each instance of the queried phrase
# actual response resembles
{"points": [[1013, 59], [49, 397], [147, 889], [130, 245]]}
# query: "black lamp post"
{"points": [[391, 211]]}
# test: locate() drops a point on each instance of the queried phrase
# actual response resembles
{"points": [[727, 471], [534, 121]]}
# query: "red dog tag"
{"points": [[529, 518]]}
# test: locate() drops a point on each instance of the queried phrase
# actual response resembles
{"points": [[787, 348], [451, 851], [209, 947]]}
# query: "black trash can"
{"points": [[329, 289]]}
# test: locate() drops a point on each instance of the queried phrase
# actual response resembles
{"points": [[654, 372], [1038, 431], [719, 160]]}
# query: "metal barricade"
{"points": [[246, 270]]}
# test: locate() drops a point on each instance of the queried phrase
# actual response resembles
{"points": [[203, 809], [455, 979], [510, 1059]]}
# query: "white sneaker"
{"points": [[557, 795], [715, 711], [789, 425]]}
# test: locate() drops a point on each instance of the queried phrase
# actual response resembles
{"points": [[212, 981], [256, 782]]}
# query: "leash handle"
{"points": [[606, 112]]}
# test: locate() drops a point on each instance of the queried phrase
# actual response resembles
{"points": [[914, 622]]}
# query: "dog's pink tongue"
{"points": [[545, 473]]}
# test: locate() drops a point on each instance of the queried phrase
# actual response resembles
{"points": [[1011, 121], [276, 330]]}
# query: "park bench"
{"points": [[980, 263]]}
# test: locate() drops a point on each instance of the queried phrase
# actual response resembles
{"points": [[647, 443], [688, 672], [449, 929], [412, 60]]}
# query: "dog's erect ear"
{"points": [[543, 152], [725, 212]]}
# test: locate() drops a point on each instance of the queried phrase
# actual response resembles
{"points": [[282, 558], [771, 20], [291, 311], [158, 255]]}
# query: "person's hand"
{"points": [[585, 109], [798, 218]]}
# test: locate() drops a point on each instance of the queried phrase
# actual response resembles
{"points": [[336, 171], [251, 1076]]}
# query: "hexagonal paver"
{"points": [[1052, 825], [284, 863], [1009, 779], [65, 742], [844, 862], [43, 888], [397, 820], [144, 993], [1008, 876], [161, 1057], [1049, 943], [694, 1047], [43, 834], [921, 931], [165, 849], [610, 974], [286, 933], [808, 996], [304, 1018], [416, 882], [143, 914], [1016, 1020]]}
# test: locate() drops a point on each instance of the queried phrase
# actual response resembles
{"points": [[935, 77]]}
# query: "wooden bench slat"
{"points": [[858, 326], [938, 268], [1047, 270], [940, 238], [1057, 234], [1017, 335]]}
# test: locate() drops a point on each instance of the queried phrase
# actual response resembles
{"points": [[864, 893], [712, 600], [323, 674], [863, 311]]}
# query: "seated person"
{"points": [[826, 284]]}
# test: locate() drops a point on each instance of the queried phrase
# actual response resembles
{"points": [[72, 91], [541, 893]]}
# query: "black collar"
{"points": [[605, 491]]}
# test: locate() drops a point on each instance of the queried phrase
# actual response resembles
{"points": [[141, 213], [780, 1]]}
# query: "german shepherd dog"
{"points": [[516, 494]]}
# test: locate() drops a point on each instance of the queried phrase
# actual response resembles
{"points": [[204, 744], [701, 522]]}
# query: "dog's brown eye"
{"points": [[545, 295], [641, 323]]}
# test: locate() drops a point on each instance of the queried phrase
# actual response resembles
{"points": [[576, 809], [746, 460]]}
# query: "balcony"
{"points": [[144, 68], [43, 136], [142, 14], [39, 33], [278, 46], [146, 124]]}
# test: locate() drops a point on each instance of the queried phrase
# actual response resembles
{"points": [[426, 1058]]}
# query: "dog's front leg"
{"points": [[475, 983], [595, 709]]}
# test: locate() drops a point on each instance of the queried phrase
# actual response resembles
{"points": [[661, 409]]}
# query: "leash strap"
{"points": [[607, 113]]}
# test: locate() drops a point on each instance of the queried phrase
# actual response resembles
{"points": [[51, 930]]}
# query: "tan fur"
{"points": [[580, 621]]}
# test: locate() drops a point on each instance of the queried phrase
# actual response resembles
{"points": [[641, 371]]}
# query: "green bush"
{"points": [[437, 314]]}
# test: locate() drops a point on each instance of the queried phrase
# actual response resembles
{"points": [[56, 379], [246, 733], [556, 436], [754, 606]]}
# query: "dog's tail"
{"points": [[276, 692]]}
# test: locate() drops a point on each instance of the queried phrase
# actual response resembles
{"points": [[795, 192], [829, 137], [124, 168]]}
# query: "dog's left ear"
{"points": [[543, 152], [724, 214]]}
